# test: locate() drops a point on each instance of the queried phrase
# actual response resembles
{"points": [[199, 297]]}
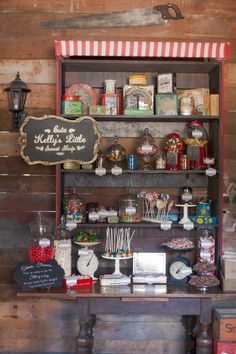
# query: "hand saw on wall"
{"points": [[157, 15]]}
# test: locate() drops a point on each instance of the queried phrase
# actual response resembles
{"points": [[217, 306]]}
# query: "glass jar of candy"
{"points": [[173, 147], [41, 249], [129, 209], [74, 209]]}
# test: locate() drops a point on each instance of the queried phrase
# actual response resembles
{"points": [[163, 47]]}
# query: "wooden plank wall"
{"points": [[25, 190]]}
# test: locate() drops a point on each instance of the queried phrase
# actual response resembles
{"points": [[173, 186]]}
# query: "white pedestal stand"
{"points": [[116, 278], [185, 221]]}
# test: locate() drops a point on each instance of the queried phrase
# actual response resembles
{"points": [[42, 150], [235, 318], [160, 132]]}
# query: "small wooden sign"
{"points": [[39, 275], [51, 140]]}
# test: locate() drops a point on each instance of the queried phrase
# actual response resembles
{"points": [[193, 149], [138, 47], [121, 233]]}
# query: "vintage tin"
{"points": [[112, 103], [110, 86], [137, 80], [71, 104], [165, 83], [186, 105], [204, 209]]}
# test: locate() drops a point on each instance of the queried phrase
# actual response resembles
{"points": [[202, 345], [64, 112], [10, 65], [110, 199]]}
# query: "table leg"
{"points": [[204, 340], [189, 322], [84, 340]]}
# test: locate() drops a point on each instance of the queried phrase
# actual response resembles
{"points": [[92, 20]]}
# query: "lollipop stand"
{"points": [[117, 249]]}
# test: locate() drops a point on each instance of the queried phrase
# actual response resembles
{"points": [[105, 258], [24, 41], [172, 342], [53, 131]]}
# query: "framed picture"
{"points": [[166, 105]]}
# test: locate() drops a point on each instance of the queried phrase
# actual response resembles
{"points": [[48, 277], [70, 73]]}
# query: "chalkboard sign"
{"points": [[50, 140], [39, 275]]}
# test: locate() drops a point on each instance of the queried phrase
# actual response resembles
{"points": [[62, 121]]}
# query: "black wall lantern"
{"points": [[17, 92]]}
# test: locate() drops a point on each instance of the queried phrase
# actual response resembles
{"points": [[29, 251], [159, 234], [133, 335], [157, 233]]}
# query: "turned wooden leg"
{"points": [[91, 324], [84, 340], [204, 340], [189, 322]]}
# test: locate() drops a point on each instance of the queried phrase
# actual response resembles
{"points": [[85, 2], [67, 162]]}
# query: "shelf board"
{"points": [[138, 172], [138, 225], [149, 118]]}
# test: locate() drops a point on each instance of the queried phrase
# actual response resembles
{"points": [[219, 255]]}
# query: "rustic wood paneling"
{"points": [[26, 47]]}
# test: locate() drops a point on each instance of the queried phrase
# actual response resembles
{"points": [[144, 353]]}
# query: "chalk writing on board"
{"points": [[50, 140], [38, 275]]}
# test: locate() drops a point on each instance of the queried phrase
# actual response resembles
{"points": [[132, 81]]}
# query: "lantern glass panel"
{"points": [[16, 100]]}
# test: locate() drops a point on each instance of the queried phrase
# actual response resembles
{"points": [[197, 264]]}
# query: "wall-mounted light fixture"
{"points": [[17, 92]]}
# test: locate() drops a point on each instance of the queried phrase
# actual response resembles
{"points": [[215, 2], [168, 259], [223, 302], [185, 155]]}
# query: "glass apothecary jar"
{"points": [[129, 209], [74, 209], [41, 249]]}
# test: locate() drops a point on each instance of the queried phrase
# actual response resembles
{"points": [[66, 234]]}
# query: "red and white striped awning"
{"points": [[116, 48]]}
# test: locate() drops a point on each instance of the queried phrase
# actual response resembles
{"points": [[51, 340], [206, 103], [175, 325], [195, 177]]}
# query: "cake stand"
{"points": [[116, 278]]}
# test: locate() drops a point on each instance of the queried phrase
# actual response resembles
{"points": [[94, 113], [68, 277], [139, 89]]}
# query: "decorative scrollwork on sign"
{"points": [[51, 140]]}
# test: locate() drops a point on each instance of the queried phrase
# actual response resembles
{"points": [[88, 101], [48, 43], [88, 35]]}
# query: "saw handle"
{"points": [[169, 11]]}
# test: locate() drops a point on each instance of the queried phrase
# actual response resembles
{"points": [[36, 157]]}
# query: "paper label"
{"points": [[64, 244], [130, 210], [100, 171], [210, 171], [165, 225], [116, 171], [93, 216], [44, 242], [146, 148]]}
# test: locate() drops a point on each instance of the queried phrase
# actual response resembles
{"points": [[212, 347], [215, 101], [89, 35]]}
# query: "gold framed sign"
{"points": [[51, 140]]}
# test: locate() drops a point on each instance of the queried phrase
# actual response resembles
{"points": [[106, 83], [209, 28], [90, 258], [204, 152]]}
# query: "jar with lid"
{"points": [[71, 104], [146, 148], [129, 209], [74, 209], [103, 214], [187, 195], [161, 162], [42, 248], [92, 213], [196, 144]]}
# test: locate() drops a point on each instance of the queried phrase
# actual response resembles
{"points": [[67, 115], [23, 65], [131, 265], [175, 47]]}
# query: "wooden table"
{"points": [[183, 301]]}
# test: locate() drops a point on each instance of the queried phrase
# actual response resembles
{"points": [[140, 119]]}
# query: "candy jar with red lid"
{"points": [[146, 148], [196, 144], [173, 147]]}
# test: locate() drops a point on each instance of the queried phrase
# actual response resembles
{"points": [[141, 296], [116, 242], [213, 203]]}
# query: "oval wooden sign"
{"points": [[51, 140]]}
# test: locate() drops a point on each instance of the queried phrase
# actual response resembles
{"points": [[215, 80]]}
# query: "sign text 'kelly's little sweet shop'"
{"points": [[51, 140]]}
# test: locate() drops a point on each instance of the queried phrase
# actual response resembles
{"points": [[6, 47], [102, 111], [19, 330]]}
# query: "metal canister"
{"points": [[184, 162], [132, 162], [186, 105], [161, 162]]}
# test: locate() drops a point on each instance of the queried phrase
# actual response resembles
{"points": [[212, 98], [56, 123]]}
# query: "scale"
{"points": [[87, 263], [179, 268], [116, 278]]}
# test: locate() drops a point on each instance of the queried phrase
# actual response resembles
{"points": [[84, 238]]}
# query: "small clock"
{"points": [[87, 264], [179, 270]]}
